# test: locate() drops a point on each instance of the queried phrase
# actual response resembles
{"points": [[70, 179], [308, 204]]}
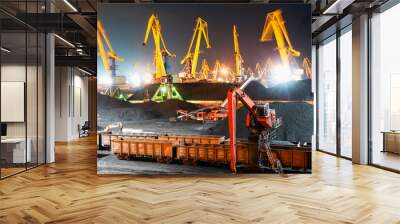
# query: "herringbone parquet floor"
{"points": [[70, 191]]}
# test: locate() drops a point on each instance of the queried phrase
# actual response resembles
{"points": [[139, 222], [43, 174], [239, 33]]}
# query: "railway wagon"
{"points": [[106, 139], [293, 158], [217, 153], [196, 139], [157, 149]]}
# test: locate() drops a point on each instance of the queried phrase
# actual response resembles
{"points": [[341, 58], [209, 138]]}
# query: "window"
{"points": [[385, 89], [326, 98], [346, 93]]}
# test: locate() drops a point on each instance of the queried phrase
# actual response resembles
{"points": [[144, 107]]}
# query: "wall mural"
{"points": [[196, 89]]}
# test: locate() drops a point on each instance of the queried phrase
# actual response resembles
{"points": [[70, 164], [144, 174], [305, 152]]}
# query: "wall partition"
{"points": [[22, 78]]}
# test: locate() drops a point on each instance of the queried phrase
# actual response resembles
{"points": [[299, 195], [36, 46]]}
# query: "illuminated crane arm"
{"points": [[274, 24], [171, 55], [102, 35], [154, 26], [101, 30], [238, 57], [307, 67], [205, 69], [151, 24], [216, 69], [201, 30], [102, 52]]}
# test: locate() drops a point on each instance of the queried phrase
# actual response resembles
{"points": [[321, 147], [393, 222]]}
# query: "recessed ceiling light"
{"points": [[64, 40], [70, 5], [84, 71], [5, 50]]}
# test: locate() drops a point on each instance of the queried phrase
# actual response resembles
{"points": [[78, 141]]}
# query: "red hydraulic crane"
{"points": [[261, 120]]}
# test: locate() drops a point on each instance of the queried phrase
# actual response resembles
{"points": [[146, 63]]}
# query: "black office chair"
{"points": [[84, 130]]}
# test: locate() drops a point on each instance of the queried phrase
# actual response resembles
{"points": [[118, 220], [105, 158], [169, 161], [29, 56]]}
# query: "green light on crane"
{"points": [[166, 92]]}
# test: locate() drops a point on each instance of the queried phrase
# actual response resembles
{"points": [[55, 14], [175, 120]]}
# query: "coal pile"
{"points": [[297, 122], [289, 91], [107, 102], [112, 110]]}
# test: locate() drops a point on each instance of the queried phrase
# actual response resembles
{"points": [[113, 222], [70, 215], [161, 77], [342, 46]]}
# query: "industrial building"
{"points": [[56, 108]]}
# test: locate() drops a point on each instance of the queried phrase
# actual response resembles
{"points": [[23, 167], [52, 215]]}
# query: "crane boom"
{"points": [[192, 58], [216, 69], [160, 51], [260, 71], [205, 70], [307, 67], [260, 119], [275, 24], [110, 54], [238, 57]]}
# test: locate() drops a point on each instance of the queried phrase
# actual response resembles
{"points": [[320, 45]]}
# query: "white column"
{"points": [[50, 100], [50, 92], [314, 91], [360, 90]]}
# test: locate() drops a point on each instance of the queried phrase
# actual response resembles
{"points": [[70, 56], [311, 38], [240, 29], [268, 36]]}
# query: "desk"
{"points": [[13, 150], [391, 141]]}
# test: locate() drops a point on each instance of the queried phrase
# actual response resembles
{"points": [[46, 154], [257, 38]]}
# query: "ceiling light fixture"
{"points": [[64, 40], [5, 50], [84, 71], [333, 6], [70, 5], [337, 7]]}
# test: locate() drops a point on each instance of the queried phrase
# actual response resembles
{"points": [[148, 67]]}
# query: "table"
{"points": [[391, 141], [13, 150]]}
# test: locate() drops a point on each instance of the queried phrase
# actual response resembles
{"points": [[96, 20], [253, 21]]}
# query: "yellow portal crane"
{"points": [[191, 58], [160, 50], [260, 71], [215, 71], [238, 57], [205, 70], [307, 67], [110, 54], [269, 63], [250, 72], [274, 24]]}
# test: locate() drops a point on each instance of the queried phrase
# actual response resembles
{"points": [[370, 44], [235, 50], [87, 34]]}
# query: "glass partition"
{"points": [[22, 67], [326, 97], [31, 98], [15, 150], [41, 97]]}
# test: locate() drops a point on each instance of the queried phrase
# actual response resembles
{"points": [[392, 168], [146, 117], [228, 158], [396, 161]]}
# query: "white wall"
{"points": [[12, 73], [71, 102], [16, 73]]}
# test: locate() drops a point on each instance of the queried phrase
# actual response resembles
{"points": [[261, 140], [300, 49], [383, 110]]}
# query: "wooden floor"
{"points": [[5, 172], [386, 159], [71, 192]]}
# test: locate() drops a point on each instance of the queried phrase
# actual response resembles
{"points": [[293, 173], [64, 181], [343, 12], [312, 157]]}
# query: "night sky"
{"points": [[126, 24]]}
